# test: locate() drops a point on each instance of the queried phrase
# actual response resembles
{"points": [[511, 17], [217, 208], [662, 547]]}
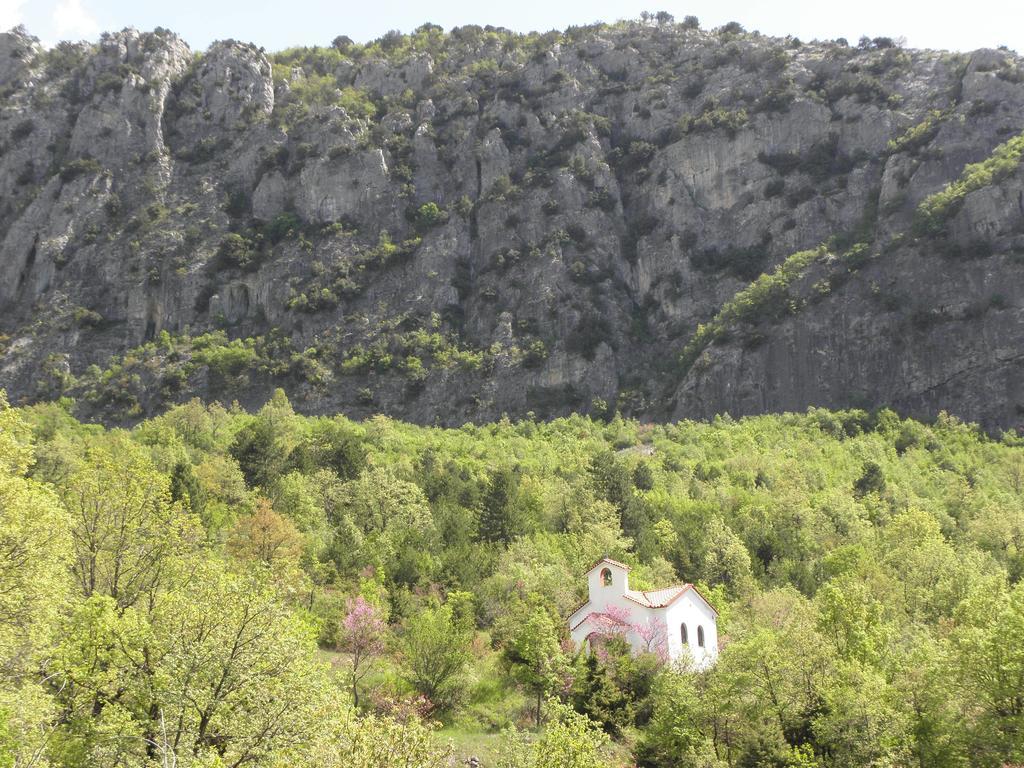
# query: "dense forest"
{"points": [[221, 588]]}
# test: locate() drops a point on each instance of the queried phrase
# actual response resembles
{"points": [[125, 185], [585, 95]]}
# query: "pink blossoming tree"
{"points": [[616, 622], [361, 636]]}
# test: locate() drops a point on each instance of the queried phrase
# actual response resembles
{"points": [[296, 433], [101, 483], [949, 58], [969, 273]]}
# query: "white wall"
{"points": [[692, 610], [596, 588]]}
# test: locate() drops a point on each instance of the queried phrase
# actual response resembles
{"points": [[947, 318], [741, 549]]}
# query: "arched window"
{"points": [[700, 636], [683, 634], [606, 577]]}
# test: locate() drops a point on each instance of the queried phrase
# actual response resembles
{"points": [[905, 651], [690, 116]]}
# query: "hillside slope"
{"points": [[446, 227]]}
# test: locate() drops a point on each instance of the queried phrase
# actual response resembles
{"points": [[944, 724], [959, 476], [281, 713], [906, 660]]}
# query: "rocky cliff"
{"points": [[649, 217]]}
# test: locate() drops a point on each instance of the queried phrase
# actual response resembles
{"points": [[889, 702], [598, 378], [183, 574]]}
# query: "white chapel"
{"points": [[674, 622]]}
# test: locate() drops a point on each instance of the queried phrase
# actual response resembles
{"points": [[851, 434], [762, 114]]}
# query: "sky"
{"points": [[933, 24]]}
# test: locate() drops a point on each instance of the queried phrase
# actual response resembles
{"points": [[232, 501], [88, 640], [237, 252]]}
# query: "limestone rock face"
{"points": [[235, 82], [330, 190], [449, 227]]}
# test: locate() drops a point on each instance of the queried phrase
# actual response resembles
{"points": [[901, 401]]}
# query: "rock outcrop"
{"points": [[448, 227]]}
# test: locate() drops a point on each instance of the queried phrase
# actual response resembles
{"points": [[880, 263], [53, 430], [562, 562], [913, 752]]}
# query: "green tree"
{"points": [[871, 480], [612, 480], [434, 651], [220, 669], [569, 740], [126, 532], [677, 733], [861, 722], [726, 560], [331, 444], [386, 523], [186, 489], [990, 652], [262, 447], [925, 681], [260, 452], [643, 476], [498, 523], [347, 741], [851, 617], [596, 693], [534, 655], [243, 680], [35, 551], [269, 541]]}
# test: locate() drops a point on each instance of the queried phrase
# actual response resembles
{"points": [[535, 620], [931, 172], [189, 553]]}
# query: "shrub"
{"points": [[935, 210], [775, 100], [463, 206], [599, 198], [224, 358], [824, 159], [588, 334], [313, 300], [502, 189], [112, 205], [27, 175], [82, 166], [338, 151], [535, 354], [238, 203], [694, 88], [430, 215], [283, 225], [891, 59], [919, 135], [782, 162], [87, 318], [236, 251], [820, 162], [711, 117], [641, 151], [576, 233], [357, 103], [745, 263]]}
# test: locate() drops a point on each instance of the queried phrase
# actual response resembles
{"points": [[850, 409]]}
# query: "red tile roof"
{"points": [[656, 598], [579, 607], [662, 598], [603, 616], [608, 560]]}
